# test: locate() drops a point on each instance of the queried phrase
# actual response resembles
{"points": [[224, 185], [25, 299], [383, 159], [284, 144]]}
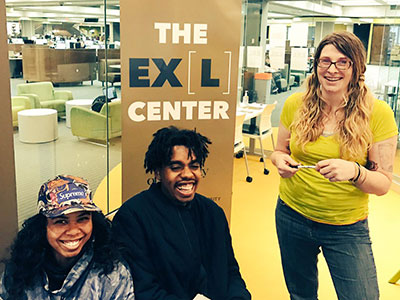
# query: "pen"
{"points": [[301, 167]]}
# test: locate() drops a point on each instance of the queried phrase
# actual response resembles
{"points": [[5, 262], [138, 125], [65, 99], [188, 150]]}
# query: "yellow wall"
{"points": [[339, 27]]}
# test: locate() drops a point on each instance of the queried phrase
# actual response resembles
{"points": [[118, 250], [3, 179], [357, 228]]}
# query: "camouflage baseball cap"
{"points": [[65, 194]]}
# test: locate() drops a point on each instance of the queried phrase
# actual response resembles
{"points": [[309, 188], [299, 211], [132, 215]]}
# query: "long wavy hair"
{"points": [[28, 253], [354, 133]]}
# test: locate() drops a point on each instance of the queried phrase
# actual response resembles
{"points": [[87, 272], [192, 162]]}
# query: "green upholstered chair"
{"points": [[87, 123], [43, 95], [299, 76], [19, 103]]}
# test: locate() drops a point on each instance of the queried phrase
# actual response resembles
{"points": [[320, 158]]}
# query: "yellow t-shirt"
{"points": [[314, 196]]}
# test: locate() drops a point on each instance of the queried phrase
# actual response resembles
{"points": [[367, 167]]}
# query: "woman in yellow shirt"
{"points": [[348, 141]]}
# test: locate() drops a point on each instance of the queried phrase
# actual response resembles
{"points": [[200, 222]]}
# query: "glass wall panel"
{"points": [[378, 29], [251, 17], [383, 73], [58, 57]]}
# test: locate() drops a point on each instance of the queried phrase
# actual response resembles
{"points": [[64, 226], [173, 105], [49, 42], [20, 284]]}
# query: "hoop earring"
{"points": [[151, 181]]}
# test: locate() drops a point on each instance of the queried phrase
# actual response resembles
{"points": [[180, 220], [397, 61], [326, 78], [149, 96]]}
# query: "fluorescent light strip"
{"points": [[365, 2], [356, 2]]}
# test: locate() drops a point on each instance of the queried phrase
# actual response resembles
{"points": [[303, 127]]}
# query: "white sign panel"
{"points": [[277, 35], [298, 34], [277, 57], [13, 28], [241, 53], [254, 56], [298, 59]]}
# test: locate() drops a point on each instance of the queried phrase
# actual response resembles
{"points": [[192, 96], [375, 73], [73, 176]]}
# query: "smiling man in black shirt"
{"points": [[177, 242]]}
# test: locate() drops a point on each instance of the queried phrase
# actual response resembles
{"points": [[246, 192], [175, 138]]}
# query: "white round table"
{"points": [[87, 103], [37, 125]]}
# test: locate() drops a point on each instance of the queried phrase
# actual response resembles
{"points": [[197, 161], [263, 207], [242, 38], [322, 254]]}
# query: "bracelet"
{"points": [[362, 178], [354, 180]]}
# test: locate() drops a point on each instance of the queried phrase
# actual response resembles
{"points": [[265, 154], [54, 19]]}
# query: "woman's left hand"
{"points": [[336, 169]]}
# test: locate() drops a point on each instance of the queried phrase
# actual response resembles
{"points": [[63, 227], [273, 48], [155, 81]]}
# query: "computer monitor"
{"points": [[41, 41], [17, 41], [111, 92]]}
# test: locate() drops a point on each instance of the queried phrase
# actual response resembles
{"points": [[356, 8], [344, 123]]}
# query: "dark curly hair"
{"points": [[28, 253], [159, 153]]}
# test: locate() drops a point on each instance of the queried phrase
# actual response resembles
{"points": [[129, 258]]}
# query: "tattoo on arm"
{"points": [[386, 156], [385, 152], [371, 165]]}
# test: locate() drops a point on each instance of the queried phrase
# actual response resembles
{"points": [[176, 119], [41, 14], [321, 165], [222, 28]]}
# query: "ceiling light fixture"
{"points": [[356, 2], [366, 20], [345, 20], [392, 2]]}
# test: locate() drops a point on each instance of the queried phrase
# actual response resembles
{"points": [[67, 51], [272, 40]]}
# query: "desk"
{"points": [[251, 111]]}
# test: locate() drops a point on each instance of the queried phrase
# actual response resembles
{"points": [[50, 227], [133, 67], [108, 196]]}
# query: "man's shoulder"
{"points": [[205, 200], [139, 200], [211, 213], [208, 203]]}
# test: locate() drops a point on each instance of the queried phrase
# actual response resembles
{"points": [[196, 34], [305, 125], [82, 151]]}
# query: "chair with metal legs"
{"points": [[262, 131], [239, 144]]}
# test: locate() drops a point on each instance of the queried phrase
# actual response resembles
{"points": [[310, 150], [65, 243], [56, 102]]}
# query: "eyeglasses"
{"points": [[341, 64]]}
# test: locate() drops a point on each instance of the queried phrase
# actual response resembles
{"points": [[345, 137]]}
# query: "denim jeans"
{"points": [[346, 248]]}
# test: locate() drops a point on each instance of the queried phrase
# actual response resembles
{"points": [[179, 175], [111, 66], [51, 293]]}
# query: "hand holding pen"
{"points": [[332, 169], [337, 169], [283, 161], [303, 167]]}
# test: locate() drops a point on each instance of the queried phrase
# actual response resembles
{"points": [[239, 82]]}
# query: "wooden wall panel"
{"points": [[111, 53], [379, 47], [8, 198], [57, 65]]}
